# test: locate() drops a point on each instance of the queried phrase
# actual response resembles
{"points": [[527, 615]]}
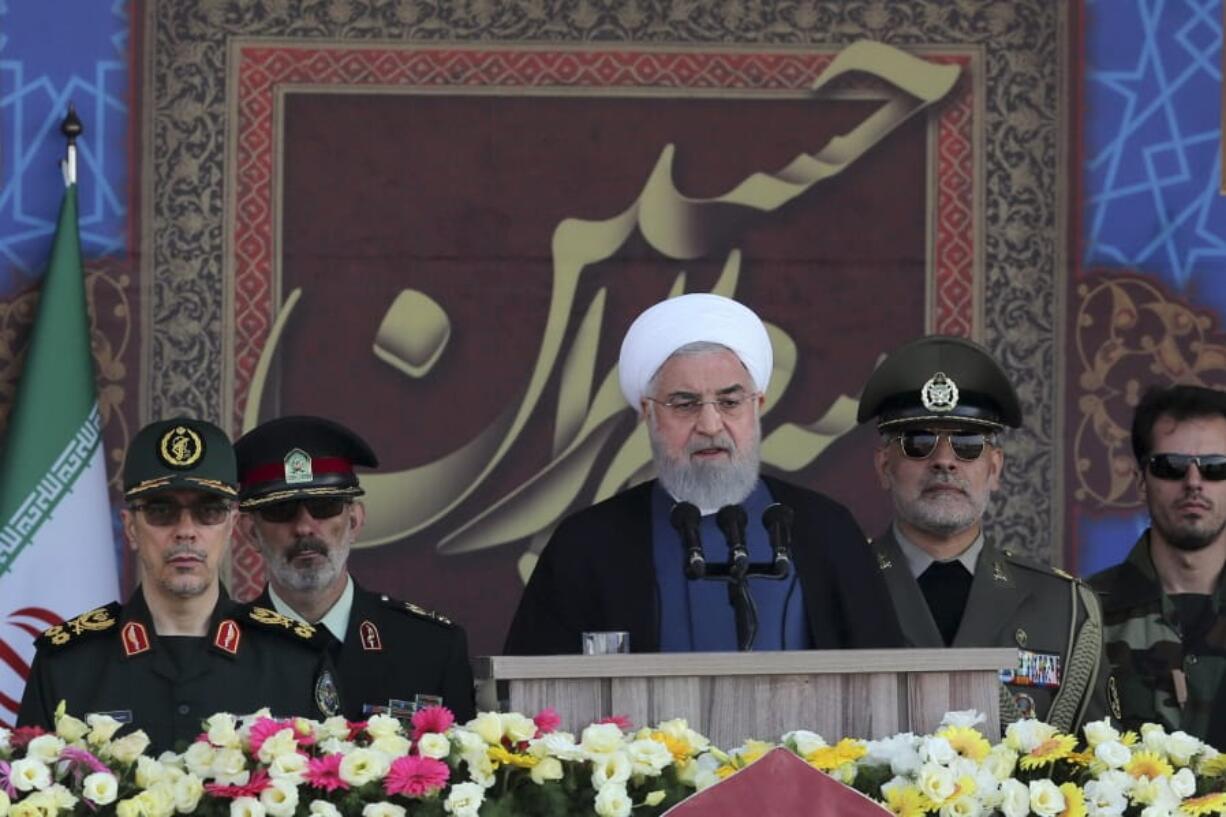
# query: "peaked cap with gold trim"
{"points": [[940, 379], [180, 454], [299, 457]]}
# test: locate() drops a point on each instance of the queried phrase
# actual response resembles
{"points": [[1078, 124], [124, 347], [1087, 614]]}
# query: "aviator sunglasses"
{"points": [[320, 507], [1212, 467], [919, 443]]}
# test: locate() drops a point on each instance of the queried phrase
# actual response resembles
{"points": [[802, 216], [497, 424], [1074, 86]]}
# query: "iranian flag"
{"points": [[57, 552]]}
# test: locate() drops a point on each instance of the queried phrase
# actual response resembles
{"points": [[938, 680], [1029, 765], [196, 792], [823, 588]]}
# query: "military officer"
{"points": [[300, 507], [179, 650], [940, 404]]}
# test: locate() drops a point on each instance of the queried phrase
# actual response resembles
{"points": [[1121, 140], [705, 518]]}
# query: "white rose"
{"points": [[1180, 747], [46, 748], [392, 745], [612, 801], [382, 810], [100, 788], [101, 728], [937, 750], [246, 807], [288, 767], [1154, 737], [280, 799], [1112, 754], [128, 748], [361, 766], [29, 774], [964, 718], [199, 758], [1097, 732], [282, 743], [517, 727], [222, 730], [1015, 798], [434, 745], [601, 738], [549, 768], [1024, 735], [464, 799], [611, 769], [1046, 799], [487, 726], [1104, 800], [380, 726], [1183, 784], [229, 768], [188, 790], [322, 808], [70, 729], [806, 742], [937, 782], [649, 757]]}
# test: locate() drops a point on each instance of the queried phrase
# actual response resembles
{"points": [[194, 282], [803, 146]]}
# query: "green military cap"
{"points": [[298, 457], [180, 454], [940, 379]]}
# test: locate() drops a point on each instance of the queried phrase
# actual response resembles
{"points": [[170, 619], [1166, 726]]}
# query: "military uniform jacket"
{"points": [[110, 660], [1015, 602], [597, 573], [396, 651], [1148, 654]]}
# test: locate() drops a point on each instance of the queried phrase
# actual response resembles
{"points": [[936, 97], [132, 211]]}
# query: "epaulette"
{"points": [[1038, 567], [73, 630], [266, 619], [413, 609]]}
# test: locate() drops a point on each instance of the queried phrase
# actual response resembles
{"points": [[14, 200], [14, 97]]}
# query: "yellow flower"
{"points": [[907, 801], [1148, 764], [1080, 758], [1205, 804], [501, 756], [678, 747], [1130, 738], [845, 751], [1213, 767], [726, 771], [754, 749], [1074, 800], [1049, 751], [966, 742]]}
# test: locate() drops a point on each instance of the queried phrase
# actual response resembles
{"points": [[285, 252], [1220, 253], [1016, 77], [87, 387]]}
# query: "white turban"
{"points": [[700, 316]]}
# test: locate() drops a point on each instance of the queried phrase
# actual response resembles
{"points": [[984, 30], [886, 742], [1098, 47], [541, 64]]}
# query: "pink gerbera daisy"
{"points": [[258, 782], [416, 776], [432, 719], [547, 720], [325, 773]]}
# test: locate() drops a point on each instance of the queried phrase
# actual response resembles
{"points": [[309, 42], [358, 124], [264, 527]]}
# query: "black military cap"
{"points": [[179, 454], [294, 457], [939, 378]]}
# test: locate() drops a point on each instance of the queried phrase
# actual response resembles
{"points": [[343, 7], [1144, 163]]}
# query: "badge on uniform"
{"points": [[135, 639], [1035, 669], [228, 636], [326, 697], [369, 636]]}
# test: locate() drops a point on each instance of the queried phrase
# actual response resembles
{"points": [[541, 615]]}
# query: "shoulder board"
{"points": [[83, 626], [414, 610], [262, 618], [1038, 567]]}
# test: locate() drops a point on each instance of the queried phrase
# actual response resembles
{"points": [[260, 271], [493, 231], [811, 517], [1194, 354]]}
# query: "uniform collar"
{"points": [[335, 621], [919, 560]]}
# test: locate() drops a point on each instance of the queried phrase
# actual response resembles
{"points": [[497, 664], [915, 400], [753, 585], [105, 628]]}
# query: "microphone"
{"points": [[684, 518], [777, 519], [732, 519]]}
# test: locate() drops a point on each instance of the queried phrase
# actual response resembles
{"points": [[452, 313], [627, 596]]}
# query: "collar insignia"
{"points": [[135, 639], [298, 467], [227, 636], [181, 447], [369, 634], [883, 562], [939, 394]]}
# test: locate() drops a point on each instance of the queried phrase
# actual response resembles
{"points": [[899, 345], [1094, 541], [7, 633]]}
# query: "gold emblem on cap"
{"points": [[181, 447], [940, 393], [298, 467]]}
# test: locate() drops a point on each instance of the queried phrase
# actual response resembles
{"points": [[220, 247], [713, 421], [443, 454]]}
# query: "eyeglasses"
{"points": [[1212, 467], [919, 443], [165, 514], [729, 405], [320, 507]]}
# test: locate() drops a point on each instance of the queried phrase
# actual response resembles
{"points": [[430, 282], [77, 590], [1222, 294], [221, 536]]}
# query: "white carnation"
{"points": [[1097, 732], [613, 801], [1024, 735], [1112, 754], [434, 745], [100, 788]]}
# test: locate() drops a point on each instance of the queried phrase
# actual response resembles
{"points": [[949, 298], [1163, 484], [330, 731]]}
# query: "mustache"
{"points": [[184, 550], [304, 545], [945, 478], [720, 441]]}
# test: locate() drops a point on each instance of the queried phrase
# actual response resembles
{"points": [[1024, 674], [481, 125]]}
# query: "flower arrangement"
{"points": [[510, 764]]}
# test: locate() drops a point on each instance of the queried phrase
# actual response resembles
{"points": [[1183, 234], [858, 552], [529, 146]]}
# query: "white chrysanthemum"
{"points": [[1097, 732], [613, 801], [964, 718], [363, 765], [1024, 735], [46, 748], [322, 808], [1112, 754], [246, 807], [280, 799], [549, 768], [613, 768], [382, 809], [464, 799], [29, 774], [806, 742], [1104, 799], [1182, 747], [128, 748], [649, 757], [229, 767], [188, 790], [222, 730], [101, 729], [291, 767], [100, 788], [899, 752], [601, 738], [1015, 798], [434, 745]]}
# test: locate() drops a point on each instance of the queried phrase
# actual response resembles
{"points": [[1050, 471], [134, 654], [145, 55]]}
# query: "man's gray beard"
{"points": [[305, 580], [709, 485], [939, 518]]}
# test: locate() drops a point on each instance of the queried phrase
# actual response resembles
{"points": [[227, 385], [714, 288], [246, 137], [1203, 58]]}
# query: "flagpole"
{"points": [[71, 127]]}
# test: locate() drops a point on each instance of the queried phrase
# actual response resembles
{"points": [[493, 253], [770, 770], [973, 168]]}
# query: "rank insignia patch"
{"points": [[135, 639], [369, 636], [228, 636]]}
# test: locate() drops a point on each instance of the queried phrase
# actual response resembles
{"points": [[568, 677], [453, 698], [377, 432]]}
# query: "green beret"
{"points": [[180, 454]]}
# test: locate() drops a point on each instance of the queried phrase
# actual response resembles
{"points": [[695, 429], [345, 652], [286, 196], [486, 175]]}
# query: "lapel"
{"points": [[918, 628], [995, 595], [634, 563], [160, 661]]}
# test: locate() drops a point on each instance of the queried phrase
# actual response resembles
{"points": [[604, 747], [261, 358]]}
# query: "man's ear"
{"points": [[357, 517], [881, 461], [129, 527]]}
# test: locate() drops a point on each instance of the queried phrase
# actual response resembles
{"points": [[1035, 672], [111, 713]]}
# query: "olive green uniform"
{"points": [[1016, 602], [1163, 677]]}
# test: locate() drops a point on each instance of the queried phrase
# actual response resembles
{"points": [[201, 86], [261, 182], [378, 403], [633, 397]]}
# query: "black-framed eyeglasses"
{"points": [[319, 507], [1212, 467], [161, 514], [920, 443], [729, 405]]}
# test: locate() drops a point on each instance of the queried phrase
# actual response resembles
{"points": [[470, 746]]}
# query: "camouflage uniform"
{"points": [[1151, 661]]}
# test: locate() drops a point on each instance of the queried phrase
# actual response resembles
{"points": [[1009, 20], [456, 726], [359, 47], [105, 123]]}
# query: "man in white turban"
{"points": [[654, 561]]}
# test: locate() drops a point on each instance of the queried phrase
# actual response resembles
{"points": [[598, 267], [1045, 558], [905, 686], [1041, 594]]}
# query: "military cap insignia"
{"points": [[274, 620], [298, 467], [369, 636], [95, 621], [326, 697], [135, 638], [228, 636], [939, 394], [181, 447]]}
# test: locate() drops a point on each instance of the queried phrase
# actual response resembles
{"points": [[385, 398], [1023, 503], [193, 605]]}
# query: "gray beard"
{"points": [[709, 485], [305, 580]]}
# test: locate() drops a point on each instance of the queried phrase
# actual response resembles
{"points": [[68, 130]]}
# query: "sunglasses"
{"points": [[919, 443], [165, 514], [320, 507], [1212, 467]]}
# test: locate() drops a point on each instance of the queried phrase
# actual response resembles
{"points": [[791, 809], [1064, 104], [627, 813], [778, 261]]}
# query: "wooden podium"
{"points": [[733, 696]]}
